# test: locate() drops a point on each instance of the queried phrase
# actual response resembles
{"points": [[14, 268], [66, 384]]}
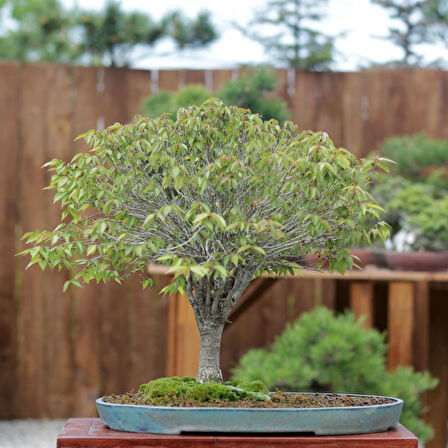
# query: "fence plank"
{"points": [[443, 109], [220, 77], [139, 88], [114, 298], [170, 80], [362, 302], [422, 325], [400, 324], [148, 317], [375, 109], [85, 306], [58, 362], [9, 145], [31, 302], [354, 112], [426, 102], [194, 77], [438, 363]]}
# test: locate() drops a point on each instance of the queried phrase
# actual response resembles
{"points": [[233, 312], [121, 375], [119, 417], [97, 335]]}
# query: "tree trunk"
{"points": [[209, 358]]}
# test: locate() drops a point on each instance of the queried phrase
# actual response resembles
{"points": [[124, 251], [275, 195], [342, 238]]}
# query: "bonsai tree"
{"points": [[218, 195]]}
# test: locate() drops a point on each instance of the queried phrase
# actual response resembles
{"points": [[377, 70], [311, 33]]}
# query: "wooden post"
{"points": [[400, 324], [183, 338], [421, 336], [361, 301]]}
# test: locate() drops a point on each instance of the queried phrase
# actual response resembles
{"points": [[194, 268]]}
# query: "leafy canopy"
{"points": [[206, 194]]}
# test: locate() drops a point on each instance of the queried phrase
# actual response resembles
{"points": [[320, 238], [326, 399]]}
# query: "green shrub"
{"points": [[327, 353], [419, 158], [170, 102], [252, 91], [414, 208], [431, 225]]}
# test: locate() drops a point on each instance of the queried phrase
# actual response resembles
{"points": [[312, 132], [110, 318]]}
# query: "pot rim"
{"points": [[396, 401]]}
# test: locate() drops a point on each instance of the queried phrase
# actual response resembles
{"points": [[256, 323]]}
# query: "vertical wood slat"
{"points": [[220, 77], [114, 307], [31, 299], [361, 302], [171, 358], [183, 337], [194, 77], [422, 325], [170, 80], [400, 324], [85, 302], [437, 398], [57, 311], [443, 109], [9, 149], [354, 112], [139, 87]]}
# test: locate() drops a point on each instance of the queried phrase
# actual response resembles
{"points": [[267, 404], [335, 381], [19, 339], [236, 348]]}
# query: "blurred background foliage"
{"points": [[46, 31], [253, 90], [414, 194]]}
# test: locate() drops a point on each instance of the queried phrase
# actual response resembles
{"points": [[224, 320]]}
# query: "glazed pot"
{"points": [[320, 421], [417, 261]]}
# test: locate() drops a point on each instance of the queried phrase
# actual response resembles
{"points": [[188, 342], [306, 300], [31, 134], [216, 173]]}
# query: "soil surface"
{"points": [[278, 400]]}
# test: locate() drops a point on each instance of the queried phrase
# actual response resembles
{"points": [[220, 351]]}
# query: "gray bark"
{"points": [[212, 300], [209, 358]]}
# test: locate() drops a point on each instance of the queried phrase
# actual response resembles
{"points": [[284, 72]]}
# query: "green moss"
{"points": [[167, 387], [250, 386], [188, 379], [187, 387], [209, 391]]}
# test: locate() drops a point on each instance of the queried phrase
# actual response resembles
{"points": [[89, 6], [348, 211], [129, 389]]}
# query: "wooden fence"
{"points": [[58, 352]]}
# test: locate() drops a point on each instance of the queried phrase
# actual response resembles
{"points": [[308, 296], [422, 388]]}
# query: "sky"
{"points": [[360, 24]]}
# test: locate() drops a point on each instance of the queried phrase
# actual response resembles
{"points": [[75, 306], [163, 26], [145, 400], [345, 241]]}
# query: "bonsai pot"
{"points": [[414, 261], [320, 421], [363, 258]]}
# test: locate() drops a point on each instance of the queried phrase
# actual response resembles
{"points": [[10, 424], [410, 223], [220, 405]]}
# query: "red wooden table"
{"points": [[91, 433]]}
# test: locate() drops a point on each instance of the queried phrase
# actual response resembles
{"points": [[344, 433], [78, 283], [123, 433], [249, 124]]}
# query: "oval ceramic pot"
{"points": [[363, 258], [417, 261], [320, 421]]}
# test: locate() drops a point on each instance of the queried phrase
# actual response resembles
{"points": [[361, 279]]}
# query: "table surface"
{"points": [[370, 272], [90, 433]]}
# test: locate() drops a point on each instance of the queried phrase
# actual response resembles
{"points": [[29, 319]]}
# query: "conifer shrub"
{"points": [[323, 352]]}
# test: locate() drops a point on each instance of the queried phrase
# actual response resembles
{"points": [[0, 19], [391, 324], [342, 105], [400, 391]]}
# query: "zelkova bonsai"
{"points": [[217, 195]]}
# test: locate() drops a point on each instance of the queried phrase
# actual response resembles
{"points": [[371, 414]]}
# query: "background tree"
{"points": [[43, 30], [289, 30], [218, 195], [253, 91], [412, 28], [110, 36], [436, 13]]}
